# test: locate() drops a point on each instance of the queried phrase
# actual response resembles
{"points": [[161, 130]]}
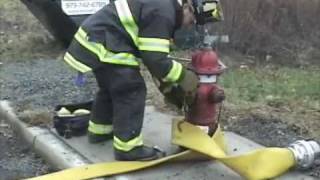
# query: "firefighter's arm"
{"points": [[154, 46], [175, 80]]}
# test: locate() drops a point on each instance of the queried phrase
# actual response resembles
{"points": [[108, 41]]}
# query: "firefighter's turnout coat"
{"points": [[112, 43]]}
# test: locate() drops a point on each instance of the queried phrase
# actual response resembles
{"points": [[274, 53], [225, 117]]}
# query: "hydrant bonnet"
{"points": [[206, 62]]}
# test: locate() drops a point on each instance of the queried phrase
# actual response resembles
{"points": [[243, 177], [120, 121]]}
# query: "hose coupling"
{"points": [[305, 153]]}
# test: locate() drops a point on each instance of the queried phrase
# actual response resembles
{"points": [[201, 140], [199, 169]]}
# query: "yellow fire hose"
{"points": [[263, 163]]}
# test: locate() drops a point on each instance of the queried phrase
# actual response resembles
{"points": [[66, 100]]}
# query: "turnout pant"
{"points": [[119, 105]]}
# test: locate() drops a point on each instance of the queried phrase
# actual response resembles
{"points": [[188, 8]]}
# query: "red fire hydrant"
{"points": [[203, 111]]}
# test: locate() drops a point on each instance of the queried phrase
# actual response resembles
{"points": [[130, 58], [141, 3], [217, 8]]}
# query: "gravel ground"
{"points": [[43, 84], [17, 160]]}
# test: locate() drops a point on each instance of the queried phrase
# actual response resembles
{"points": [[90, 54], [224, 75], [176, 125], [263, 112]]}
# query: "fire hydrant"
{"points": [[203, 111]]}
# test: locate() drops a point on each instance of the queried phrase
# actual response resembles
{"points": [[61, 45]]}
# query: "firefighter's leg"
{"points": [[128, 92], [100, 125]]}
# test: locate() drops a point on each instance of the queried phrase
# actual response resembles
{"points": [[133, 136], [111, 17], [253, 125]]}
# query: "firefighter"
{"points": [[112, 43]]}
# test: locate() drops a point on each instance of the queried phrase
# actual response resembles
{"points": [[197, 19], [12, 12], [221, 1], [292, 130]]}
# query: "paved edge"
{"points": [[44, 142]]}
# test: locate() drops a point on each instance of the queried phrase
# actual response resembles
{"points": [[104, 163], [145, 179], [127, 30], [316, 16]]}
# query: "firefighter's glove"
{"points": [[188, 84], [173, 94], [80, 79], [180, 93]]}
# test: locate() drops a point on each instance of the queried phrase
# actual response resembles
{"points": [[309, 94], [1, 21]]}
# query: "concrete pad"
{"points": [[156, 130]]}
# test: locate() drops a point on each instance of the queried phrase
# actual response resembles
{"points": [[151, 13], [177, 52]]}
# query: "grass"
{"points": [[289, 94], [273, 86]]}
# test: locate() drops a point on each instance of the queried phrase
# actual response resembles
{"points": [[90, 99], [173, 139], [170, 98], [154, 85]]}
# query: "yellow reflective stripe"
{"points": [[154, 40], [82, 38], [217, 12], [100, 128], [154, 44], [127, 20], [127, 146], [68, 58], [121, 58], [174, 73], [103, 54]]}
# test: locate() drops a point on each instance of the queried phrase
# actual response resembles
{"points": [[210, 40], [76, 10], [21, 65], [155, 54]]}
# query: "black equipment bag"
{"points": [[72, 125]]}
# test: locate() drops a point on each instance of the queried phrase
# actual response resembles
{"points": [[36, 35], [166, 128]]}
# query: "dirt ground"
{"points": [[42, 84], [21, 35]]}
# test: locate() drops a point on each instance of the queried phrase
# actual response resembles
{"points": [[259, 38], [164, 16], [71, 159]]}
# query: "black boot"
{"points": [[98, 138], [141, 153]]}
